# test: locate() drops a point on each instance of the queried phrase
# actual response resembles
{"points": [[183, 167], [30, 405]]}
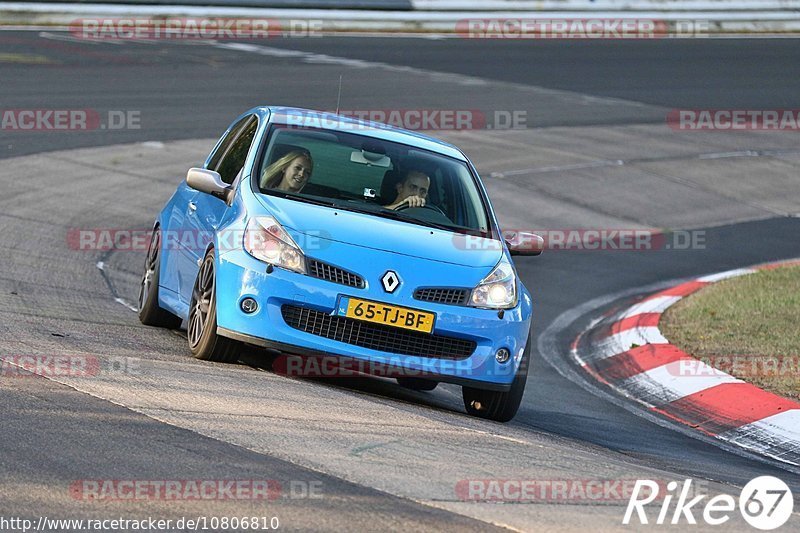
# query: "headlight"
{"points": [[498, 290], [267, 241]]}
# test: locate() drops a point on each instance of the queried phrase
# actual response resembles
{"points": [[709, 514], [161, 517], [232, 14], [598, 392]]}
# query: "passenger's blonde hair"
{"points": [[273, 174]]}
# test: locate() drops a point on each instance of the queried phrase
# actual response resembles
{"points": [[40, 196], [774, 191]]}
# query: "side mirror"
{"points": [[524, 243], [209, 182]]}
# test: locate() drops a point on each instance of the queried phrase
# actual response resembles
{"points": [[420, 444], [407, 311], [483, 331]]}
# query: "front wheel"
{"points": [[499, 406], [201, 330], [150, 313]]}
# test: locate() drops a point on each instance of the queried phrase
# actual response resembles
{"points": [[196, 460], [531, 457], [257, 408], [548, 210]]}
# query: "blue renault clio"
{"points": [[316, 235]]}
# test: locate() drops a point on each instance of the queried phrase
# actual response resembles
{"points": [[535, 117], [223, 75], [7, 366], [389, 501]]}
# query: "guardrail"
{"points": [[401, 5], [605, 5], [705, 17], [533, 6]]}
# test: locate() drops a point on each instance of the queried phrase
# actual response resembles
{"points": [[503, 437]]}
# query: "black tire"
{"points": [[201, 329], [150, 313], [499, 406], [417, 384]]}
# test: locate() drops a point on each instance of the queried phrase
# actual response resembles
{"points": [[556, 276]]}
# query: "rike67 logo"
{"points": [[765, 503]]}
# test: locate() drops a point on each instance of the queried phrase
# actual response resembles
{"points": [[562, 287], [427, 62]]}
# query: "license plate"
{"points": [[389, 315]]}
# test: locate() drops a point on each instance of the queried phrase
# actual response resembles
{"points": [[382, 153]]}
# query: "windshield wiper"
{"points": [[302, 198], [381, 211], [316, 201], [390, 213]]}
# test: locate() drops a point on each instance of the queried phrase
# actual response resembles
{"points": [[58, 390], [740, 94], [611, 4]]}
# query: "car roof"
{"points": [[332, 121]]}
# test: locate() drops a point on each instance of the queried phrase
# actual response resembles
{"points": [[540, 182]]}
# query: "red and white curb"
{"points": [[627, 352]]}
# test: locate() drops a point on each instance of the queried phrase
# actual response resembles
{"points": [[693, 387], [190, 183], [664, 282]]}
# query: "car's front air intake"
{"points": [[321, 270], [376, 336], [443, 295]]}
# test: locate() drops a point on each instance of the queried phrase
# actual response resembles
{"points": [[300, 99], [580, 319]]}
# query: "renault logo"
{"points": [[390, 281]]}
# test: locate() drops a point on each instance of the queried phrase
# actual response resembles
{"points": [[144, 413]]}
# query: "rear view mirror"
{"points": [[523, 243], [374, 159], [209, 182]]}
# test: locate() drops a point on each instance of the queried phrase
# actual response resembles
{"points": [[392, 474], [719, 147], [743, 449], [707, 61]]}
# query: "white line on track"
{"points": [[461, 79], [102, 267], [727, 275], [71, 39]]}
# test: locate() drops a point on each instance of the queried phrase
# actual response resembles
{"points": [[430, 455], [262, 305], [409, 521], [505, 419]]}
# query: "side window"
{"points": [[229, 158], [225, 143]]}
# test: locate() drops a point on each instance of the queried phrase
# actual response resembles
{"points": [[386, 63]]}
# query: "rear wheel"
{"points": [[150, 313], [202, 327], [417, 384], [499, 406]]}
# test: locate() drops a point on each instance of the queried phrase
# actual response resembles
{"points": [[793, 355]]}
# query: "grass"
{"points": [[748, 327]]}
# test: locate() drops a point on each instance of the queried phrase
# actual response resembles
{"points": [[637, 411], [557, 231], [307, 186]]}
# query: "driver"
{"points": [[412, 190]]}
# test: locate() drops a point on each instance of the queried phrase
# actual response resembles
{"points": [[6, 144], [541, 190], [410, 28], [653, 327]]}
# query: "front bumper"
{"points": [[240, 276]]}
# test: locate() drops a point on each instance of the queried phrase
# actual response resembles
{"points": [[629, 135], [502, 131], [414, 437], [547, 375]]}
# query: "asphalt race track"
{"points": [[595, 152]]}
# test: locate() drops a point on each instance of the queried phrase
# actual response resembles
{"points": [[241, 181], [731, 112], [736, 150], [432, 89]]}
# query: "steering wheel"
{"points": [[404, 206]]}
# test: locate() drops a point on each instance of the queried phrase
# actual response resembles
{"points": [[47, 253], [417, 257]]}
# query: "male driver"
{"points": [[412, 191]]}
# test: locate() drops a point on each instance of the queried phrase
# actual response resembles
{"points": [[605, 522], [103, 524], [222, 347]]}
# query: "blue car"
{"points": [[315, 235]]}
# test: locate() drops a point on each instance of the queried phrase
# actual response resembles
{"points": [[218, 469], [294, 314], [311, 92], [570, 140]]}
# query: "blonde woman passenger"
{"points": [[290, 173]]}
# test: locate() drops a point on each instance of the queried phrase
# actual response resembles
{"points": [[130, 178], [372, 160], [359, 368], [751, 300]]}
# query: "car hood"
{"points": [[368, 231]]}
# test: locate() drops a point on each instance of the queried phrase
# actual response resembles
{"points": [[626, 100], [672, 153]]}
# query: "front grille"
{"points": [[442, 295], [321, 270], [376, 336]]}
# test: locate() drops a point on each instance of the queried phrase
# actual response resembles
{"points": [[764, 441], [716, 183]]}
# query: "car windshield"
{"points": [[377, 177]]}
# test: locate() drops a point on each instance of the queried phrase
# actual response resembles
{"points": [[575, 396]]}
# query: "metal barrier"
{"points": [[394, 5]]}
